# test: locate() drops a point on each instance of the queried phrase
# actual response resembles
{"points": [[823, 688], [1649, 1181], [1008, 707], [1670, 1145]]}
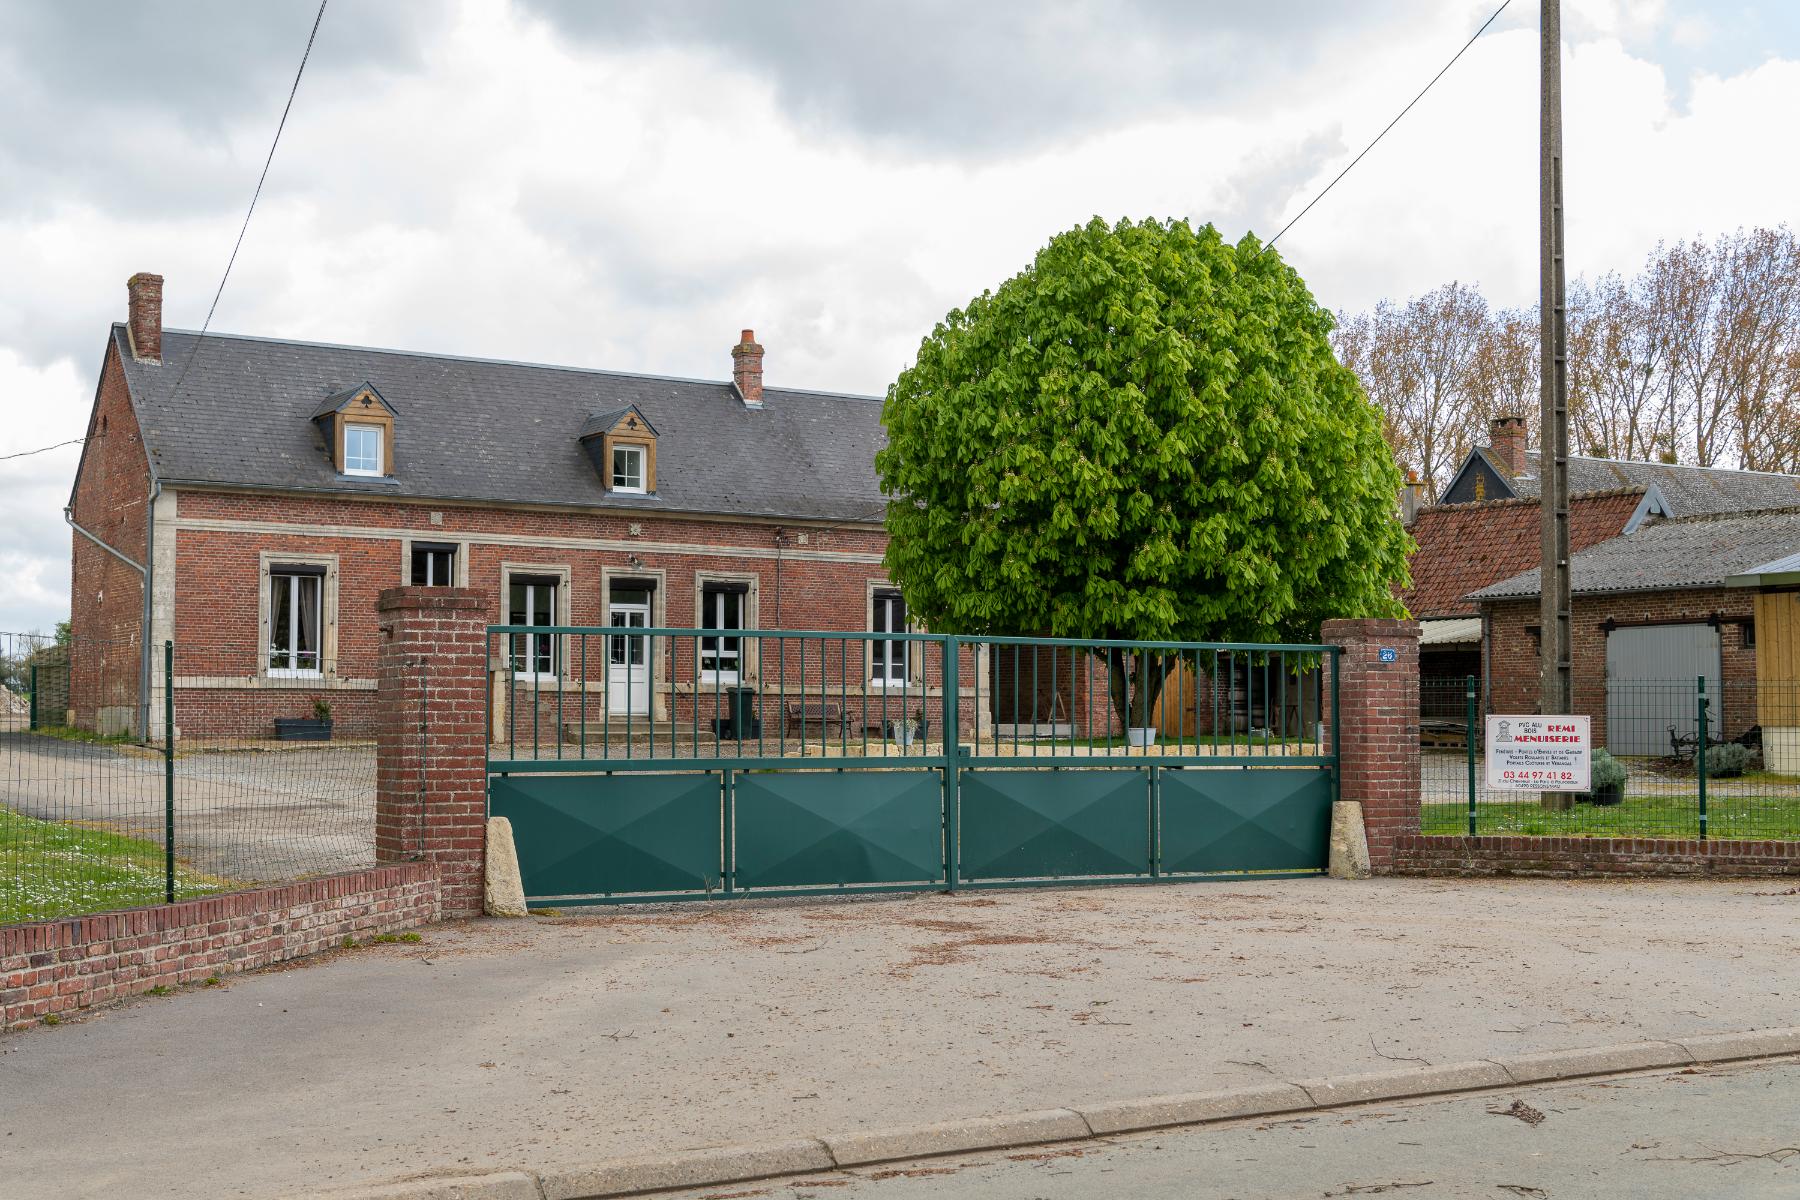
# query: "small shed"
{"points": [[1777, 632]]}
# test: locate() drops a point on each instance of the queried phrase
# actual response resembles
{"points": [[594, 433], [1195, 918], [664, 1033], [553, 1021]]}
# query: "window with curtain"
{"points": [[889, 657], [531, 600], [433, 565], [296, 598], [721, 607]]}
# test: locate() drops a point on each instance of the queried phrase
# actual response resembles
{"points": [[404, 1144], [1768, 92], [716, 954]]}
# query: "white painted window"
{"points": [[721, 607], [362, 449], [531, 600], [888, 659], [296, 600], [628, 469]]}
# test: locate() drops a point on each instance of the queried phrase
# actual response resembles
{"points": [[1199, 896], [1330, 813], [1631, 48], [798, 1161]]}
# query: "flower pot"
{"points": [[302, 729], [1607, 793], [1141, 735], [903, 732]]}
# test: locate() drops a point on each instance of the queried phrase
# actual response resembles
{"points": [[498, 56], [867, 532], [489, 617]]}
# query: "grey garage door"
{"points": [[1651, 672]]}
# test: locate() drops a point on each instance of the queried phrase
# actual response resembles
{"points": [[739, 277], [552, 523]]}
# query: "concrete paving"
{"points": [[1719, 1132], [564, 1041]]}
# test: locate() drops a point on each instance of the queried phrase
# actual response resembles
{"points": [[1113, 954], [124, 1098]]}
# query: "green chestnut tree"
{"points": [[1143, 435]]}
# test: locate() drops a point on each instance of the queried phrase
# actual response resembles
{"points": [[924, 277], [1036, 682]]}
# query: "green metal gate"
{"points": [[767, 762]]}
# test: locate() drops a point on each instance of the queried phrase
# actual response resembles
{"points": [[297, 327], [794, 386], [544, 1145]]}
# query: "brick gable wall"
{"points": [[106, 602]]}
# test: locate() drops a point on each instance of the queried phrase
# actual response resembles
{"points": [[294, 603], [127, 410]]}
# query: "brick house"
{"points": [[1485, 531], [1653, 611], [247, 498]]}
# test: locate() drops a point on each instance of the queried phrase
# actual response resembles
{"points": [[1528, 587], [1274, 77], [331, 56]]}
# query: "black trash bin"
{"points": [[739, 721]]}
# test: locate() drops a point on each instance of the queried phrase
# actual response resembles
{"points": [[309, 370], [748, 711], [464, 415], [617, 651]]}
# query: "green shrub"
{"points": [[1726, 760], [1607, 770]]}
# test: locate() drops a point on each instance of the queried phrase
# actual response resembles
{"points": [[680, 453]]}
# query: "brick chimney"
{"points": [[1506, 442], [746, 369], [1412, 495], [143, 316]]}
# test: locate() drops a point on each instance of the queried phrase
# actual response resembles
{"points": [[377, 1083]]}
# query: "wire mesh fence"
{"points": [[266, 777], [1674, 759]]}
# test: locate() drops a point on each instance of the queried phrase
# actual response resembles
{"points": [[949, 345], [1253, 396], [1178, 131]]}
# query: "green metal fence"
{"points": [[101, 810], [1698, 759], [652, 763]]}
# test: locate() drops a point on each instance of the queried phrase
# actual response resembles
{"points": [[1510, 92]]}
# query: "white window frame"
{"points": [[351, 427], [718, 676], [643, 459], [293, 670], [559, 612], [882, 675]]}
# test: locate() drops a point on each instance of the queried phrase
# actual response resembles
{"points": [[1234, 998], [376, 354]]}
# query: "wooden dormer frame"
{"points": [[628, 427], [361, 405]]}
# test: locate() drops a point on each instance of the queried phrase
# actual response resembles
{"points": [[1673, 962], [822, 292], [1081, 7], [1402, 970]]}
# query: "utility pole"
{"points": [[1555, 693]]}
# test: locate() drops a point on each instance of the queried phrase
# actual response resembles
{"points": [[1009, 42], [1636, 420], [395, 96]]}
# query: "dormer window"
{"points": [[358, 429], [628, 468], [362, 449], [621, 443]]}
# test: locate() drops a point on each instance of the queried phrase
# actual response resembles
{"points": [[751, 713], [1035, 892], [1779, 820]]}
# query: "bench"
{"points": [[824, 714]]}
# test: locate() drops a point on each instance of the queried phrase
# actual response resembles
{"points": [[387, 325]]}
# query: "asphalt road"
{"points": [[560, 1041], [1726, 1132]]}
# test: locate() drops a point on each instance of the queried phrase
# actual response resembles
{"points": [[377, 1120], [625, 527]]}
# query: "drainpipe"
{"points": [[144, 574], [148, 672]]}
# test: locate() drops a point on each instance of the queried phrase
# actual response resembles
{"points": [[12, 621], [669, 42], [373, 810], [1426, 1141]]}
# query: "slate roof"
{"points": [[1689, 552], [602, 422], [501, 432], [1689, 491], [1463, 547]]}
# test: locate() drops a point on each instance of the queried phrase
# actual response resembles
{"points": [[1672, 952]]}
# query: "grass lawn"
{"points": [[52, 869], [1768, 816], [68, 734]]}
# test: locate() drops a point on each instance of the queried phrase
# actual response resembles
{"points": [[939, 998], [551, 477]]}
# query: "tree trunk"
{"points": [[1134, 683]]}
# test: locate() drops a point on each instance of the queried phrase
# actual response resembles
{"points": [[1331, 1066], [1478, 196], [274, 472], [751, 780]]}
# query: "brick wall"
{"points": [[222, 541], [1378, 737], [106, 602], [60, 967], [1513, 653], [1564, 857]]}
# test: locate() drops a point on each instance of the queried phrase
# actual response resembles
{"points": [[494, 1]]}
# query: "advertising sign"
{"points": [[1530, 753]]}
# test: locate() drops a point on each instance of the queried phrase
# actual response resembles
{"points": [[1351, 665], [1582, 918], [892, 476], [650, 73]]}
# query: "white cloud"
{"points": [[515, 193]]}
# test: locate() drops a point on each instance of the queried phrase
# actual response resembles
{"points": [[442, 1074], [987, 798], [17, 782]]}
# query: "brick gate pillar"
{"points": [[1378, 733], [430, 749]]}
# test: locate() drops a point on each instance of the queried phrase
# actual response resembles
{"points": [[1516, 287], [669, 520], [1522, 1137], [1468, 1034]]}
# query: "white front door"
{"points": [[628, 662]]}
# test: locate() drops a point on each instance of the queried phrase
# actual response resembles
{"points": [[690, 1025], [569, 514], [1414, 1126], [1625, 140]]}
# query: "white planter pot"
{"points": [[1141, 735], [904, 734]]}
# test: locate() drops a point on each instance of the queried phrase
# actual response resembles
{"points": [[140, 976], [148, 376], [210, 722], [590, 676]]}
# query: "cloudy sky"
{"points": [[628, 185]]}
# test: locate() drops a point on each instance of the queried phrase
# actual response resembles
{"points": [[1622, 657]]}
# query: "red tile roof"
{"points": [[1464, 547]]}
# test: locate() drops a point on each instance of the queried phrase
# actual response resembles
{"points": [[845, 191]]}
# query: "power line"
{"points": [[194, 354], [42, 449], [1409, 107]]}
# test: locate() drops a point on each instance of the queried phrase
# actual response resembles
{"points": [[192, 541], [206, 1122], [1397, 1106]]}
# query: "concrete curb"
{"points": [[741, 1164]]}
